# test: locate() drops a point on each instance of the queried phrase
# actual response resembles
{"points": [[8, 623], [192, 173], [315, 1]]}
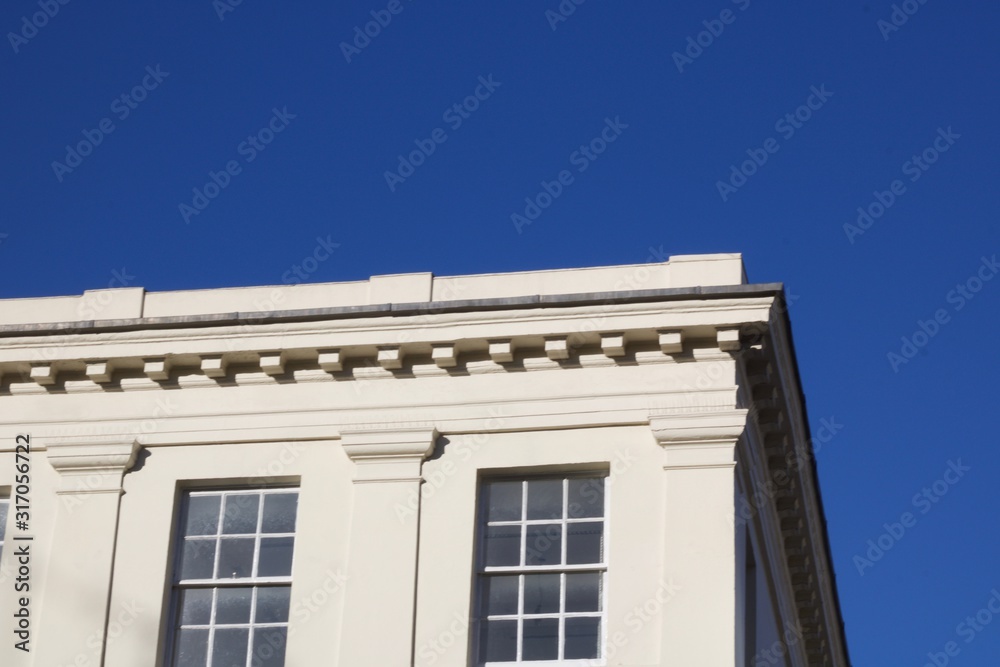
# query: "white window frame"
{"points": [[562, 569], [178, 586], [4, 500]]}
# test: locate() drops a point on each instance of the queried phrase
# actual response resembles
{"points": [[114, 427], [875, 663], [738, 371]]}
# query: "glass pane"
{"points": [[541, 593], [230, 647], [240, 514], [503, 545], [541, 639], [583, 591], [279, 512], [275, 557], [4, 505], [235, 558], [269, 647], [584, 543], [544, 545], [197, 559], [272, 604], [586, 498], [196, 606], [191, 649], [498, 641], [545, 498], [582, 638], [233, 605], [503, 500], [500, 595], [202, 515]]}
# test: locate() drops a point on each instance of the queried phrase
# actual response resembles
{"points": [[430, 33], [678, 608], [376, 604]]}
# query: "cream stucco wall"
{"points": [[387, 424]]}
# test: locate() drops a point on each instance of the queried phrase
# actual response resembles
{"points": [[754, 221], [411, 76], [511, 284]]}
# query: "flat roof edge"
{"points": [[388, 309]]}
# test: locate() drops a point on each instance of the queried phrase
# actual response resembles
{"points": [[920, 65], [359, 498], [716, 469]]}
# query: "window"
{"points": [[750, 604], [232, 579], [542, 570], [4, 506]]}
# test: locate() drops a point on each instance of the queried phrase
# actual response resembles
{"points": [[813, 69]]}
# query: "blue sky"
{"points": [[830, 103]]}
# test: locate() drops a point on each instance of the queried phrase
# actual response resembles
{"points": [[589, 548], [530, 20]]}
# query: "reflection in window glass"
{"points": [[233, 578], [542, 569]]}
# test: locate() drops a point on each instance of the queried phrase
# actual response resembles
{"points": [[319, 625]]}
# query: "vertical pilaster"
{"points": [[86, 524], [382, 564], [699, 624]]}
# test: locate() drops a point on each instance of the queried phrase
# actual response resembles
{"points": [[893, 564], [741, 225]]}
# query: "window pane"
{"points": [[269, 647], [235, 558], [500, 595], [191, 649], [541, 593], [197, 559], [275, 557], [503, 545], [544, 545], [4, 505], [202, 515], [503, 500], [541, 639], [545, 499], [586, 498], [584, 543], [498, 641], [196, 606], [233, 605], [230, 647], [240, 514], [582, 638], [279, 512], [583, 591], [272, 604]]}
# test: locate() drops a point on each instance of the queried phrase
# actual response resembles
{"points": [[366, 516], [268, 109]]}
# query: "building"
{"points": [[598, 466]]}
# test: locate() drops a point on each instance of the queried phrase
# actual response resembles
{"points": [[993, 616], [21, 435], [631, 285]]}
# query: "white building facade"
{"points": [[600, 466]]}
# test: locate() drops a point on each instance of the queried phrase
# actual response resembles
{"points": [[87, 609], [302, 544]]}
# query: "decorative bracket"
{"points": [[388, 455], [699, 439], [92, 464]]}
